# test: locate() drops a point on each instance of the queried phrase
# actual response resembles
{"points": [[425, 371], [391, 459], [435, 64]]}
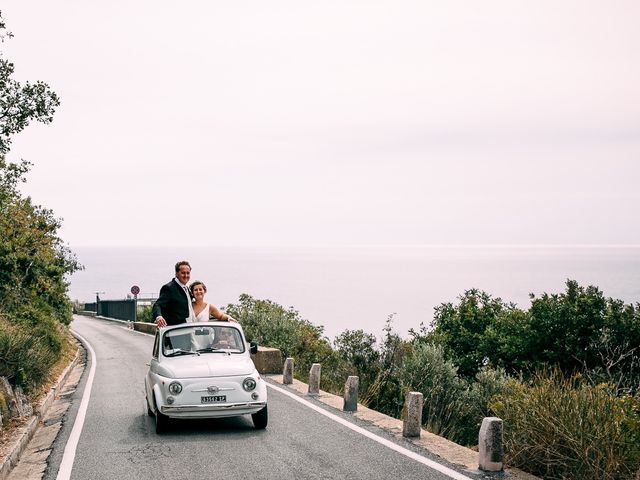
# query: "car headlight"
{"points": [[175, 388], [249, 384]]}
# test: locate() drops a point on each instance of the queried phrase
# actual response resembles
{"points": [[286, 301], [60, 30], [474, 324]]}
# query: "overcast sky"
{"points": [[334, 122]]}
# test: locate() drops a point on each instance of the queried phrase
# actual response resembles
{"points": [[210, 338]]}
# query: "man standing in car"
{"points": [[174, 303]]}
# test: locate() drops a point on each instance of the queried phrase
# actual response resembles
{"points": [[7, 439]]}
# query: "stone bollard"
{"points": [[490, 451], [411, 427], [287, 371], [351, 394], [314, 379]]}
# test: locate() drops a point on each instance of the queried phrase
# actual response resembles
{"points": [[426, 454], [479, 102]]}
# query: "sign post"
{"points": [[135, 290]]}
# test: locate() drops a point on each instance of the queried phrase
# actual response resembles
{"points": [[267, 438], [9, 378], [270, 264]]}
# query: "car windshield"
{"points": [[194, 340]]}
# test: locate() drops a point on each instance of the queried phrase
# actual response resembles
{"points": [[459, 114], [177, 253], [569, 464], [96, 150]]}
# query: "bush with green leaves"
{"points": [[272, 325], [567, 428], [145, 314], [359, 352], [31, 342], [426, 370], [386, 393], [577, 330], [34, 261]]}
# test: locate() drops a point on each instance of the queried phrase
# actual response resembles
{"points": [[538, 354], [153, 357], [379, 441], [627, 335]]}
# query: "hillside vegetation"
{"points": [[34, 305], [564, 375]]}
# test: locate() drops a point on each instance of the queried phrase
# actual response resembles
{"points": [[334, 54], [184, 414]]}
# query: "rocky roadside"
{"points": [[27, 423]]}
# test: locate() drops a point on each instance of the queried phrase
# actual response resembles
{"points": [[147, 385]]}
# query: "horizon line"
{"points": [[376, 245]]}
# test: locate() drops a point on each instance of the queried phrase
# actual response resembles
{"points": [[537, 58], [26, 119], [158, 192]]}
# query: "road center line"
{"points": [[64, 473], [383, 441]]}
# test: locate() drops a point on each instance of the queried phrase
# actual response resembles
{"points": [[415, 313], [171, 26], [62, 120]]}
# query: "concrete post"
{"points": [[412, 424], [314, 379], [351, 394], [287, 371], [490, 450]]}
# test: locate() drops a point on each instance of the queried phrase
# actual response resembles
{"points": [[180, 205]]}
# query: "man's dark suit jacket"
{"points": [[172, 304]]}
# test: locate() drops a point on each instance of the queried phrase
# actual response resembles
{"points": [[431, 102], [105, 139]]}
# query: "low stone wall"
{"points": [[145, 327], [268, 360]]}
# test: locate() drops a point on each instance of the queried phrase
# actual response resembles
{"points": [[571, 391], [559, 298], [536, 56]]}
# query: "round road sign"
{"points": [[135, 289]]}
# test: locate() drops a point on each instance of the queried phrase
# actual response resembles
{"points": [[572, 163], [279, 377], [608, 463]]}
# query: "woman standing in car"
{"points": [[203, 310]]}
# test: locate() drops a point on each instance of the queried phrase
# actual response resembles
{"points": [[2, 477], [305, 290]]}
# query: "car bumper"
{"points": [[217, 410]]}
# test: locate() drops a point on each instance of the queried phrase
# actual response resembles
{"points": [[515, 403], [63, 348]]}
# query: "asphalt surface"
{"points": [[118, 439]]}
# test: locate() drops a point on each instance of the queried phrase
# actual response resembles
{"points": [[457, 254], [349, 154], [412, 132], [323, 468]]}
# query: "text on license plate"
{"points": [[214, 399]]}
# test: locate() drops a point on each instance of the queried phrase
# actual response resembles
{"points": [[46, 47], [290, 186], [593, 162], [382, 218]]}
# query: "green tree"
{"points": [[33, 259], [20, 103], [462, 329]]}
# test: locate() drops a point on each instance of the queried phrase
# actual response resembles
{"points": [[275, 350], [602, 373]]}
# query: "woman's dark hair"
{"points": [[194, 284]]}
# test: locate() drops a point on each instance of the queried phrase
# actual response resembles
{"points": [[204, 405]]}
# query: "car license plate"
{"points": [[214, 399]]}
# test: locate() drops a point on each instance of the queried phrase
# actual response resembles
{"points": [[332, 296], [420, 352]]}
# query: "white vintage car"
{"points": [[204, 370]]}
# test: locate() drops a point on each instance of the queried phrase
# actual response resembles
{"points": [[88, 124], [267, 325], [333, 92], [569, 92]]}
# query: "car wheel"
{"points": [[260, 418], [162, 422]]}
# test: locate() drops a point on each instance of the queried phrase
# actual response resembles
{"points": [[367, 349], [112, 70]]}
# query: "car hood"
{"points": [[206, 365]]}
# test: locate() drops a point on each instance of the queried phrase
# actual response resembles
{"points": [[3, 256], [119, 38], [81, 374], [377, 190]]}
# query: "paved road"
{"points": [[118, 438]]}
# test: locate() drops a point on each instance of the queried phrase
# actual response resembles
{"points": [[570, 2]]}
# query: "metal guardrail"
{"points": [[91, 307], [120, 309]]}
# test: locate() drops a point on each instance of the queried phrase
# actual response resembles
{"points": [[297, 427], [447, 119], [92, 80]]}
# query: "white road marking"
{"points": [[70, 450], [383, 441]]}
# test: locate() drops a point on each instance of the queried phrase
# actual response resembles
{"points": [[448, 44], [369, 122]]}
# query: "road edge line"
{"points": [[68, 458], [383, 441]]}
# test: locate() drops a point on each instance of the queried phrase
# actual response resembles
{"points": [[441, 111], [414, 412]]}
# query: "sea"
{"points": [[360, 287]]}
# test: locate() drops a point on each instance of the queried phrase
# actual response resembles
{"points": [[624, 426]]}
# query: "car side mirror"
{"points": [[254, 348]]}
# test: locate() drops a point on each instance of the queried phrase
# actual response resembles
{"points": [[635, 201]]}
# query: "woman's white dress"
{"points": [[203, 316], [202, 341]]}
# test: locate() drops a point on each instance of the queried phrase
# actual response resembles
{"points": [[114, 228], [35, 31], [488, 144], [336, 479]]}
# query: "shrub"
{"points": [[270, 324], [358, 352], [569, 429], [28, 349], [145, 314], [445, 410]]}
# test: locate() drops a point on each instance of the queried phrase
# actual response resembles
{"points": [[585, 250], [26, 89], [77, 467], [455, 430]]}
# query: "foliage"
{"points": [[30, 343], [426, 370], [453, 407], [582, 330], [145, 314], [33, 259], [563, 428], [462, 328], [386, 393], [578, 330], [268, 323], [20, 104], [358, 350]]}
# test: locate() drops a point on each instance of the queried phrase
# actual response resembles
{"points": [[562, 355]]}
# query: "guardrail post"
{"points": [[351, 394], [314, 379], [287, 371], [411, 427], [490, 450]]}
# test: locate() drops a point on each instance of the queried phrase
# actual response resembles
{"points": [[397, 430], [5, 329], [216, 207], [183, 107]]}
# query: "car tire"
{"points": [[162, 422], [260, 418]]}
